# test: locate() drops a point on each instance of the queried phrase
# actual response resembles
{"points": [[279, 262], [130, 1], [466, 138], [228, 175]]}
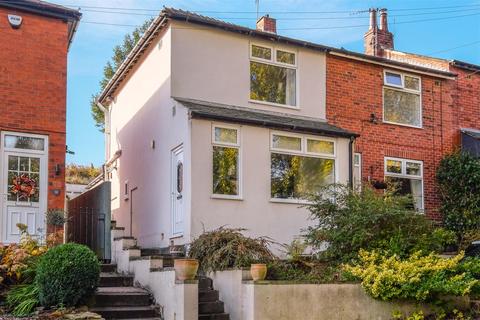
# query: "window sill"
{"points": [[226, 197], [272, 104], [402, 125], [291, 201]]}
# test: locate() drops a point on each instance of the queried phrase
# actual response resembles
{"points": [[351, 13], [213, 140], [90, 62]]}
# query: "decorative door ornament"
{"points": [[23, 186]]}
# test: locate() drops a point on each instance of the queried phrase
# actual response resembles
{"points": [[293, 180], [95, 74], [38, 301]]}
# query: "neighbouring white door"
{"points": [[177, 192], [23, 184]]}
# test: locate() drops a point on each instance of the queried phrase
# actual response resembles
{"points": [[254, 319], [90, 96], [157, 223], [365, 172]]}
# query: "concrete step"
{"points": [[121, 296], [142, 312], [218, 316], [208, 295], [205, 283], [108, 267], [210, 307], [115, 280]]}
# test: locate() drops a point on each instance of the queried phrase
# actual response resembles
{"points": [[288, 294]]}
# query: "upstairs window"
{"points": [[402, 99], [273, 75], [407, 178]]}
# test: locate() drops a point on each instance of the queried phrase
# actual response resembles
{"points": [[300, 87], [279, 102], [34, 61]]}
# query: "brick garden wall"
{"points": [[354, 92], [33, 66]]}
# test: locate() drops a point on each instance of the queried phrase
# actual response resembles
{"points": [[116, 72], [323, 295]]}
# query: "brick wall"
{"points": [[33, 66], [354, 92], [467, 100]]}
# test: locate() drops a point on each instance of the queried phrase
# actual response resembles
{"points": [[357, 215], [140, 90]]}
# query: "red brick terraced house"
{"points": [[35, 37], [409, 110]]}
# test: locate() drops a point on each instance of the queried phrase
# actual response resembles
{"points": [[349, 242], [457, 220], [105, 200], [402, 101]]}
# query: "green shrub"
{"points": [[66, 275], [225, 248], [369, 220], [418, 277], [458, 177]]}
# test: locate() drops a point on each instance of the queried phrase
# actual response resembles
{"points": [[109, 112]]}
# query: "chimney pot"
{"points": [[373, 18], [267, 24], [383, 20]]}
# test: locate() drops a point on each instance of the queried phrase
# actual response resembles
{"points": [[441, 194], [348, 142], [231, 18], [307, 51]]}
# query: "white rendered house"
{"points": [[211, 124]]}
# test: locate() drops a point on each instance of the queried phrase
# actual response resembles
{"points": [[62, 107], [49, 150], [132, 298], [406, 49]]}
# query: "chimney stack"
{"points": [[267, 24], [376, 40]]}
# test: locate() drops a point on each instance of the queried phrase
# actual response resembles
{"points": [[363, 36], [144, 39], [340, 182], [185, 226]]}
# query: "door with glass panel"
{"points": [[24, 166]]}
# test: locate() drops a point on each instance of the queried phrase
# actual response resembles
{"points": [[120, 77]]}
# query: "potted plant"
{"points": [[258, 271], [185, 269]]}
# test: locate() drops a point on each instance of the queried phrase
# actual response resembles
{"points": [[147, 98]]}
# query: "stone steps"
{"points": [[117, 298], [209, 305]]}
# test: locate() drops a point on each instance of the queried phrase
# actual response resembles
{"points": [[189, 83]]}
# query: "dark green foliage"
{"points": [[66, 275], [56, 217], [369, 220], [225, 248], [22, 299], [120, 52], [458, 178]]}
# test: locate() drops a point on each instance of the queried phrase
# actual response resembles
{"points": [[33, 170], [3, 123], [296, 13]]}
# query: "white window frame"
{"points": [[303, 153], [359, 166], [402, 89], [404, 174], [237, 145], [273, 61]]}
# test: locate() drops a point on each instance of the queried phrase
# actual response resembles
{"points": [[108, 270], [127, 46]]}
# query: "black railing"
{"points": [[89, 220]]}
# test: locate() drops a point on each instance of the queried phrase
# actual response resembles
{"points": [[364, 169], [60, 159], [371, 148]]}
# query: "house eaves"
{"points": [[46, 9], [189, 17], [268, 119], [465, 65]]}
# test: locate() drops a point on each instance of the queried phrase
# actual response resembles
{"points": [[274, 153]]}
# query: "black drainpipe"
{"points": [[350, 162]]}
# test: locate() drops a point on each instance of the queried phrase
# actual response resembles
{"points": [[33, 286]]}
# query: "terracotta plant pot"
{"points": [[258, 271], [185, 269]]}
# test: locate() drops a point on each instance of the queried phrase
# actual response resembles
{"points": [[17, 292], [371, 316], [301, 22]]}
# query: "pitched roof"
{"points": [[189, 17], [276, 120], [465, 65], [47, 9]]}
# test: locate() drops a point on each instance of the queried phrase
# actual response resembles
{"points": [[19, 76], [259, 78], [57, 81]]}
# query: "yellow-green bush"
{"points": [[418, 277]]}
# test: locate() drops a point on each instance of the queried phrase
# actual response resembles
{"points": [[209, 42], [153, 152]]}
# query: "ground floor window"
{"points": [[300, 165], [407, 179], [357, 171], [226, 161]]}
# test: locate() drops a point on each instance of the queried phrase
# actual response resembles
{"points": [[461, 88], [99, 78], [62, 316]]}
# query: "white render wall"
{"points": [[143, 112], [213, 65], [256, 211]]}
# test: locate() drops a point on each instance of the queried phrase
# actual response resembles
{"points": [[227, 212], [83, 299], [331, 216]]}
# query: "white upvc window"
{"points": [[273, 75], [300, 166], [226, 175], [357, 171], [402, 99], [407, 177]]}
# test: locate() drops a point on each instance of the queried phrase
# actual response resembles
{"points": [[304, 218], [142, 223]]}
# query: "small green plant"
{"points": [[23, 299], [56, 217], [418, 277], [225, 248], [66, 275], [348, 221]]}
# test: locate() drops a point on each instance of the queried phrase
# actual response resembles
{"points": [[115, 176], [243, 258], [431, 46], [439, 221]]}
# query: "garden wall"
{"points": [[264, 300]]}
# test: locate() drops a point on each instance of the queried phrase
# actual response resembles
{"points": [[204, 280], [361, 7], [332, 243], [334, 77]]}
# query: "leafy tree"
{"points": [[458, 177], [120, 52]]}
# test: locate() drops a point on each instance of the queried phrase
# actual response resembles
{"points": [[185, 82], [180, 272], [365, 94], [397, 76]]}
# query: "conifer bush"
{"points": [[67, 275]]}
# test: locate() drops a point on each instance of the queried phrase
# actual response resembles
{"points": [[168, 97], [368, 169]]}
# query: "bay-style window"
{"points": [[273, 75], [357, 171], [226, 161], [402, 103], [407, 177], [300, 165]]}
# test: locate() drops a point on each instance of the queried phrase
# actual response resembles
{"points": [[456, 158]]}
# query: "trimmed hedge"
{"points": [[67, 275]]}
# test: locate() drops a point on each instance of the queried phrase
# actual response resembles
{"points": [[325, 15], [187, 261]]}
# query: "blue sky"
{"points": [[420, 29]]}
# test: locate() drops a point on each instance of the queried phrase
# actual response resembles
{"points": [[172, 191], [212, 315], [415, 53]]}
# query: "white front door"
{"points": [[177, 192], [23, 184]]}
